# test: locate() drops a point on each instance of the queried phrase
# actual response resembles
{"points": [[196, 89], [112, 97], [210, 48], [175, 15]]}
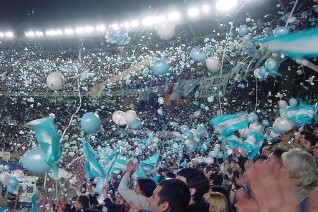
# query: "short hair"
{"points": [[278, 152], [83, 200], [312, 139], [176, 193], [147, 186], [217, 200], [195, 179], [302, 166]]}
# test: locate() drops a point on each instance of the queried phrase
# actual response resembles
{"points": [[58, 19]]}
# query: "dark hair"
{"points": [[147, 186], [278, 151], [176, 193], [170, 175], [312, 139], [83, 200], [195, 179]]}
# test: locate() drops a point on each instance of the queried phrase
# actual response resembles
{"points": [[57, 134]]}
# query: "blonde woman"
{"points": [[217, 201]]}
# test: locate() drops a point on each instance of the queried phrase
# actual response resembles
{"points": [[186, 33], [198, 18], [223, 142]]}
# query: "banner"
{"points": [[212, 85]]}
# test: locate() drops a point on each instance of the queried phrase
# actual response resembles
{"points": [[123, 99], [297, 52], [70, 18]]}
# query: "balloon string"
{"points": [[79, 95], [291, 13]]}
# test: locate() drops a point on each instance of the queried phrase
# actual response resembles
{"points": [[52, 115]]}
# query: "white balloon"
{"points": [[130, 116], [161, 100], [213, 64], [175, 146], [214, 154], [17, 173], [165, 31], [119, 117], [209, 160], [55, 81], [4, 177], [197, 113], [210, 99], [283, 124], [282, 104]]}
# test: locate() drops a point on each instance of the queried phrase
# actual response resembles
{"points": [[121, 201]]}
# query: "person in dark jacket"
{"points": [[198, 185]]}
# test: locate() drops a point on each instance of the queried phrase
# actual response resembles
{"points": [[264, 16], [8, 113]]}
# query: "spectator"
{"points": [[218, 202], [143, 189], [198, 185], [170, 195]]}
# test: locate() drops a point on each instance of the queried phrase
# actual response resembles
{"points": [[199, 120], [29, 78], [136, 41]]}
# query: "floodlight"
{"points": [[205, 8], [226, 5], [53, 32], [126, 24], [29, 34], [79, 30], [148, 21], [114, 26], [68, 31], [174, 16], [1, 34], [89, 29], [39, 33], [134, 23], [160, 19], [9, 34], [101, 28], [192, 12]]}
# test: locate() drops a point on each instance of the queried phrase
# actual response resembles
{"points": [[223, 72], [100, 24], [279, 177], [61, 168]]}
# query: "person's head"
{"points": [[196, 182], [82, 202], [307, 140], [266, 151], [145, 186], [315, 151], [119, 198], [276, 156], [218, 202], [171, 195], [302, 167]]}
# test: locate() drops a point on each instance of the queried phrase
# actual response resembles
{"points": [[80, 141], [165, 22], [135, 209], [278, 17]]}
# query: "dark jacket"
{"points": [[201, 206]]}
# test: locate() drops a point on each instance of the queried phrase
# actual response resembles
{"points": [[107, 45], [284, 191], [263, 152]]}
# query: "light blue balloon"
{"points": [[90, 123], [34, 160], [11, 190], [160, 67], [270, 63], [280, 31], [252, 118], [136, 125], [198, 55], [293, 102], [265, 123], [184, 128], [220, 155], [243, 30], [151, 135], [13, 182], [262, 72]]}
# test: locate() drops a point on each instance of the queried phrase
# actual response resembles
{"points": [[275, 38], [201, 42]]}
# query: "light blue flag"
{"points": [[184, 163], [112, 159], [139, 173], [92, 167], [233, 141], [299, 44], [150, 163], [49, 140], [227, 124], [301, 114], [34, 199], [119, 165]]}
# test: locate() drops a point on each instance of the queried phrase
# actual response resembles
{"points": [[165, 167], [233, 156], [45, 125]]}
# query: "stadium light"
{"points": [[9, 34], [126, 25], [101, 28], [134, 23], [53, 32], [39, 33], [148, 21], [160, 19], [89, 29], [206, 8], [114, 26], [226, 5], [174, 16], [193, 12], [1, 34], [79, 30], [68, 31], [29, 34]]}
